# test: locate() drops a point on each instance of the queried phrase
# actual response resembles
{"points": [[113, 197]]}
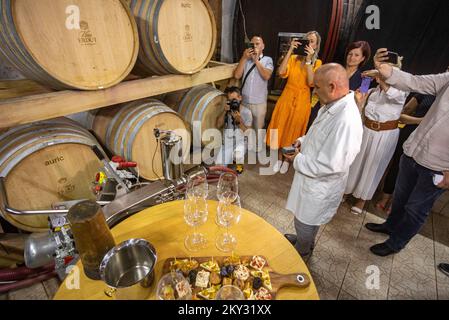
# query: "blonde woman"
{"points": [[292, 111]]}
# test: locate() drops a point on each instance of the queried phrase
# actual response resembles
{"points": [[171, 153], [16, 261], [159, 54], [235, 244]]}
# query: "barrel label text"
{"points": [[186, 5], [86, 38], [65, 187], [54, 161], [188, 37]]}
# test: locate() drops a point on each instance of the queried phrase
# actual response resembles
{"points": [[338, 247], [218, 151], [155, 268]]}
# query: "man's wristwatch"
{"points": [[309, 63]]}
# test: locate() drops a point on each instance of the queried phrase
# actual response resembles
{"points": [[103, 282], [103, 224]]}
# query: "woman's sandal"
{"points": [[357, 211]]}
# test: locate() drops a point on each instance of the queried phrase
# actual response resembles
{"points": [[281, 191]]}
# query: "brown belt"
{"points": [[381, 126]]}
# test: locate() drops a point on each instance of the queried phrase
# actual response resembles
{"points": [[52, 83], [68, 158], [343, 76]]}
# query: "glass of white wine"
{"points": [[228, 214], [195, 215]]}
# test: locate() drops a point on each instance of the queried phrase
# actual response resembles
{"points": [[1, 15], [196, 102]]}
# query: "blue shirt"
{"points": [[255, 90]]}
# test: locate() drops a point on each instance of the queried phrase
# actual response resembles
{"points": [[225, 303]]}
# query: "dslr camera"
{"points": [[234, 105]]}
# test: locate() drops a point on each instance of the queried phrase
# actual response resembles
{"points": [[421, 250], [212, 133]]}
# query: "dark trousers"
{"points": [[413, 199], [393, 171]]}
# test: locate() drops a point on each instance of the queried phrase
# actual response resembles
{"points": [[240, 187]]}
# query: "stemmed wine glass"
{"points": [[228, 187], [228, 214], [197, 186], [195, 214]]}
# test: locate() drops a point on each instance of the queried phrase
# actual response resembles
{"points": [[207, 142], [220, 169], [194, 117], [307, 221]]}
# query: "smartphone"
{"points": [[437, 179], [393, 58], [366, 83], [301, 50], [250, 45], [288, 150]]}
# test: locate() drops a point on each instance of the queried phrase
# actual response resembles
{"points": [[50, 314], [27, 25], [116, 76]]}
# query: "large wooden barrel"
{"points": [[73, 44], [128, 130], [176, 36], [45, 163], [202, 104]]}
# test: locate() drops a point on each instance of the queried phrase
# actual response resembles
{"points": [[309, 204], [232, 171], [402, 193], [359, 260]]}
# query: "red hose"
{"points": [[222, 169], [26, 283], [22, 273]]}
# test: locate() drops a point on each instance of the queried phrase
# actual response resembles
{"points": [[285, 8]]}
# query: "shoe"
{"points": [[444, 268], [284, 168], [377, 228], [382, 250], [277, 166], [291, 238], [357, 211]]}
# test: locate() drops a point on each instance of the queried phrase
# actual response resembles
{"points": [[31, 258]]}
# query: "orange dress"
{"points": [[292, 111]]}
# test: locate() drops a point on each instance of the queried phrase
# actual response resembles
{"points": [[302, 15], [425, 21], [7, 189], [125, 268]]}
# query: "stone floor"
{"points": [[341, 264]]}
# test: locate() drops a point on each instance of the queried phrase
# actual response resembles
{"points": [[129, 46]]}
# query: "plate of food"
{"points": [[251, 274]]}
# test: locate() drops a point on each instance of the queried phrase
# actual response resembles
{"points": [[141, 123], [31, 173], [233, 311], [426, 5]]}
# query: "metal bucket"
{"points": [[129, 269]]}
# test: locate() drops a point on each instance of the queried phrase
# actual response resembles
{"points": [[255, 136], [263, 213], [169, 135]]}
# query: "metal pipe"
{"points": [[6, 208]]}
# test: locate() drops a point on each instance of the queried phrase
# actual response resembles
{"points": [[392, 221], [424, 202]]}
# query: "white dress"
{"points": [[377, 146]]}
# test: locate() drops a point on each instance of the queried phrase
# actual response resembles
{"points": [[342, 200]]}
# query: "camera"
{"points": [[234, 105], [301, 50]]}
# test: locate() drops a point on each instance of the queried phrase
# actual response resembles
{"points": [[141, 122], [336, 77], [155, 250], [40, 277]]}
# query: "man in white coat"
{"points": [[323, 157]]}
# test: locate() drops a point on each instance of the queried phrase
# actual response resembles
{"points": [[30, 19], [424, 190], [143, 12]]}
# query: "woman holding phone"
{"points": [[381, 109], [357, 54], [292, 111]]}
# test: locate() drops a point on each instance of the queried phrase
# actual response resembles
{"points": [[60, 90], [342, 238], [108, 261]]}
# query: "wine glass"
{"points": [[228, 187], [230, 292], [197, 186], [228, 214], [195, 214], [174, 286]]}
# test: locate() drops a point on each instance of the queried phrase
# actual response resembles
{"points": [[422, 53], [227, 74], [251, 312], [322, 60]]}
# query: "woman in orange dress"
{"points": [[292, 111]]}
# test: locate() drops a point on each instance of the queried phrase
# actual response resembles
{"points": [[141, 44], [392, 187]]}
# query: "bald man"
{"points": [[255, 70], [323, 157]]}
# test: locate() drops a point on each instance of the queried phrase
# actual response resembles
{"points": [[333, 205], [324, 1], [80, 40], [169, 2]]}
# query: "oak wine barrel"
{"points": [[202, 104], [127, 130], [69, 44], [176, 36], [44, 163]]}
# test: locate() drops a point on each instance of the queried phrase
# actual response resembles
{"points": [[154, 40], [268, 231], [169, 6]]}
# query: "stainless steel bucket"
{"points": [[129, 269]]}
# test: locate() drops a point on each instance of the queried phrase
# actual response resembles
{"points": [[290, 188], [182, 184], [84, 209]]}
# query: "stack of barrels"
{"points": [[93, 45]]}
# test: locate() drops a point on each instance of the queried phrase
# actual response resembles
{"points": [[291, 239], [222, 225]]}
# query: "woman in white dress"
{"points": [[383, 107]]}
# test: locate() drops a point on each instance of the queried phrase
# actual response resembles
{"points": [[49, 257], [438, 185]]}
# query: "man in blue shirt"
{"points": [[255, 70]]}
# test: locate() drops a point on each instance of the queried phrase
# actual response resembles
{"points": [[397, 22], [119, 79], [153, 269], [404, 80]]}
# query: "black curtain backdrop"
{"points": [[416, 29], [269, 17]]}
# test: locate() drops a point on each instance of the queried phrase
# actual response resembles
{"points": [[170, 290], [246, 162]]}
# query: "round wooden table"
{"points": [[164, 227]]}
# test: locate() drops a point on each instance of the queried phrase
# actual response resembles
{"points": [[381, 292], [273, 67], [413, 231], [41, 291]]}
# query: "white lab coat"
{"points": [[322, 167]]}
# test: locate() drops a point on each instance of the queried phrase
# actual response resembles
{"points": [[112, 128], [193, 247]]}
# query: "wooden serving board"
{"points": [[278, 281]]}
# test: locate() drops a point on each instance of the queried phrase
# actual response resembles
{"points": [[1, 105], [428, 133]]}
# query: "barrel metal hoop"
{"points": [[44, 133], [4, 172], [156, 110], [212, 96], [119, 146]]}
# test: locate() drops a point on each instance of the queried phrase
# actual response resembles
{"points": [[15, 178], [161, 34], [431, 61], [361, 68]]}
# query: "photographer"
{"points": [[236, 120], [292, 111], [255, 70]]}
